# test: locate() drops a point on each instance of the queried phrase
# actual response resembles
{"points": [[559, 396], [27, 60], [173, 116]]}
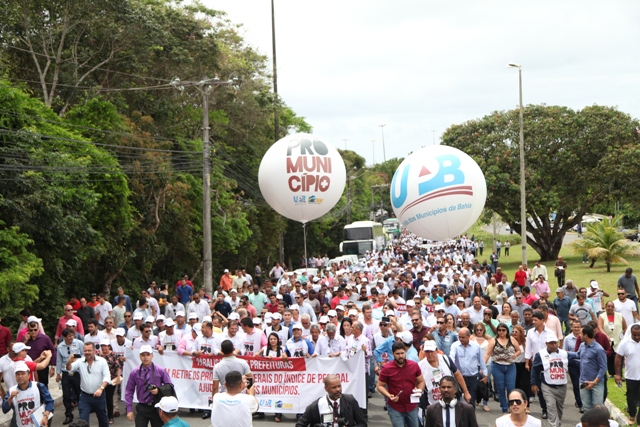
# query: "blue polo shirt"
{"points": [[184, 293]]}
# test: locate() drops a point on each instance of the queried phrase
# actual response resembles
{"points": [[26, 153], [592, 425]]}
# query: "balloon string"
{"points": [[304, 230]]}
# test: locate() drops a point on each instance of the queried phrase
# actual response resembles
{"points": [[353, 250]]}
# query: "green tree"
{"points": [[601, 240], [567, 157], [18, 267]]}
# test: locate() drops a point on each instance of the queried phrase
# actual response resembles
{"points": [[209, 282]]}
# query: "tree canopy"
{"points": [[567, 156]]}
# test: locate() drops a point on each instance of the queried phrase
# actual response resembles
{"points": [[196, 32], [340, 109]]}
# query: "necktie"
{"points": [[335, 413], [448, 418]]}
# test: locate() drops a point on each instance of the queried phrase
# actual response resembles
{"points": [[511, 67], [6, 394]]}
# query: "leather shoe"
{"points": [[67, 420], [206, 415], [544, 415], [116, 414]]}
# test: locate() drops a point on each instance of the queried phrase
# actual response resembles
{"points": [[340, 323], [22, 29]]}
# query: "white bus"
{"points": [[392, 227], [362, 236]]}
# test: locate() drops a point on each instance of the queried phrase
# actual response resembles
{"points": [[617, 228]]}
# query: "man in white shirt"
{"points": [[200, 307], [626, 307], [476, 311], [234, 408], [630, 347], [103, 309], [174, 307], [95, 335]]}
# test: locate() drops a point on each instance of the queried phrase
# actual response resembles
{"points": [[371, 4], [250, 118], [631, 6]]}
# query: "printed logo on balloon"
{"points": [[438, 192], [302, 177]]}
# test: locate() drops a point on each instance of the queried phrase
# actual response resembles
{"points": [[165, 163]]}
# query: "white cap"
{"points": [[332, 313], [207, 319], [146, 349], [406, 337], [19, 346], [297, 326], [268, 317], [257, 321], [105, 342], [180, 313], [340, 307], [72, 322], [161, 317], [279, 297], [294, 307], [390, 313], [120, 332], [234, 316], [169, 323], [460, 299], [411, 303], [276, 316], [594, 284], [438, 307], [353, 312], [364, 280], [20, 367], [150, 319], [552, 338], [324, 319], [193, 315], [430, 345], [233, 290], [316, 279], [33, 319], [226, 270], [197, 327], [138, 316], [168, 404]]}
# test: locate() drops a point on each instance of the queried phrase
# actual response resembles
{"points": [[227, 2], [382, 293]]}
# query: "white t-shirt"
{"points": [[103, 311], [626, 309], [629, 347], [233, 411], [505, 421]]}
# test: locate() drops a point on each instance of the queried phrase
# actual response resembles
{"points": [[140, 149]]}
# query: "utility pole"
{"points": [[204, 86], [276, 118], [384, 153], [378, 187], [373, 144], [345, 143]]}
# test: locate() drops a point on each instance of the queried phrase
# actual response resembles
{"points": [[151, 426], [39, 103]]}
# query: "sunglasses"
{"points": [[517, 402], [384, 324], [440, 323], [621, 294], [33, 330]]}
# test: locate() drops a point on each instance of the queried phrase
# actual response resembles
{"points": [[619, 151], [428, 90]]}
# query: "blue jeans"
{"points": [[371, 378], [592, 397], [88, 404], [399, 419], [504, 377]]}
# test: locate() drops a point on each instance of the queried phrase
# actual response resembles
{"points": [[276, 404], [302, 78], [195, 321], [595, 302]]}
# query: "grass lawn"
{"points": [[580, 273], [617, 396]]}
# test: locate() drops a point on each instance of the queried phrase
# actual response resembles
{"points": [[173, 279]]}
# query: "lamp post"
{"points": [[523, 197], [373, 145], [384, 153]]}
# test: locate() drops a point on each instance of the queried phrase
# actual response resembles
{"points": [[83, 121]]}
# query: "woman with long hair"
{"points": [[523, 377], [450, 321], [505, 315], [518, 415], [345, 328], [477, 291], [480, 336], [273, 350], [503, 351]]}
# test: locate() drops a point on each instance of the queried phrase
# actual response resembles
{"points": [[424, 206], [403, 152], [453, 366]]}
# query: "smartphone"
{"points": [[249, 382], [583, 385], [77, 356]]}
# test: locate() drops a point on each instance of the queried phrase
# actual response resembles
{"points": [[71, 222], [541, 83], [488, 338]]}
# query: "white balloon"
{"points": [[302, 177], [438, 192]]}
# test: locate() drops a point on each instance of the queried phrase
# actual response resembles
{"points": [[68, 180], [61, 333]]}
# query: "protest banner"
{"points": [[284, 386]]}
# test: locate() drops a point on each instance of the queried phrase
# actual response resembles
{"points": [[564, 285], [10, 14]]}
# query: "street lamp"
{"points": [[373, 145], [523, 197], [384, 153]]}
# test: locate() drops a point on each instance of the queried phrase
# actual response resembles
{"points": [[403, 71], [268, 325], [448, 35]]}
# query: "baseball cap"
{"points": [[459, 299], [168, 404], [411, 303], [150, 319], [138, 316], [430, 345], [19, 346], [146, 349], [234, 316], [297, 326], [406, 337], [294, 307], [276, 316], [340, 307], [193, 315], [233, 290], [438, 307], [323, 319], [169, 323], [257, 321], [180, 313], [332, 313], [207, 319], [161, 317], [594, 284], [20, 367], [72, 322], [120, 332], [390, 313], [353, 312], [33, 319], [226, 270], [105, 342], [552, 338]]}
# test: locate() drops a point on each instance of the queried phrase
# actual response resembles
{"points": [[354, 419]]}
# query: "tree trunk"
{"points": [[593, 261], [608, 267]]}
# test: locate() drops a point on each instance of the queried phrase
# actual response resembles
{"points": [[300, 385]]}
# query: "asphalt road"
{"points": [[377, 416]]}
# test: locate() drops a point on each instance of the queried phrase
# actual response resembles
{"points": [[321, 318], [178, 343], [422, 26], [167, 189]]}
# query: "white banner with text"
{"points": [[282, 386]]}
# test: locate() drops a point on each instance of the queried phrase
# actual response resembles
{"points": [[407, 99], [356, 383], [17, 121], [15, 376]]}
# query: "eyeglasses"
{"points": [[440, 323], [502, 330], [33, 330], [384, 324], [488, 314], [68, 309], [517, 402], [415, 320]]}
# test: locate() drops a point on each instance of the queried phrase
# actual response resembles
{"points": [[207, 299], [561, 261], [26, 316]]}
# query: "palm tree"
{"points": [[603, 241]]}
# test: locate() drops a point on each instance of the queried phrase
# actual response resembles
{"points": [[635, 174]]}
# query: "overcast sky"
{"points": [[420, 66]]}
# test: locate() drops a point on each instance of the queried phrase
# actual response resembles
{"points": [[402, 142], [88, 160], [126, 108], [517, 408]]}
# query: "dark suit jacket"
{"points": [[349, 410], [465, 415], [407, 293]]}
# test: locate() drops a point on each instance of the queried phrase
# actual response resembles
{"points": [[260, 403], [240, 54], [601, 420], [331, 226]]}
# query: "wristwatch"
{"points": [[102, 387]]}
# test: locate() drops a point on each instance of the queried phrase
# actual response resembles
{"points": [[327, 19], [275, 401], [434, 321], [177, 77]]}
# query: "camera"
{"points": [[341, 423], [151, 387]]}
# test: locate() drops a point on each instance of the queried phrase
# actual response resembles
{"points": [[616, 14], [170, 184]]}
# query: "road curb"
{"points": [[616, 414]]}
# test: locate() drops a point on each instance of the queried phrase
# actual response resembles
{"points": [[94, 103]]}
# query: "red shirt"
{"points": [[401, 378], [520, 277], [75, 306], [272, 308], [5, 339], [62, 324], [188, 282], [32, 368], [529, 299]]}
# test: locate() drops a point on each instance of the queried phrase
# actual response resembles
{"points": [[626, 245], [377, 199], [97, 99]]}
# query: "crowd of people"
{"points": [[431, 322]]}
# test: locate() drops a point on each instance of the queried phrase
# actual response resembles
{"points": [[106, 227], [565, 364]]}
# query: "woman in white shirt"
{"points": [[517, 416], [273, 350]]}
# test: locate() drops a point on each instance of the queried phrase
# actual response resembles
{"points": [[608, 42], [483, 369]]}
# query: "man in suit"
{"points": [[450, 412], [335, 405]]}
